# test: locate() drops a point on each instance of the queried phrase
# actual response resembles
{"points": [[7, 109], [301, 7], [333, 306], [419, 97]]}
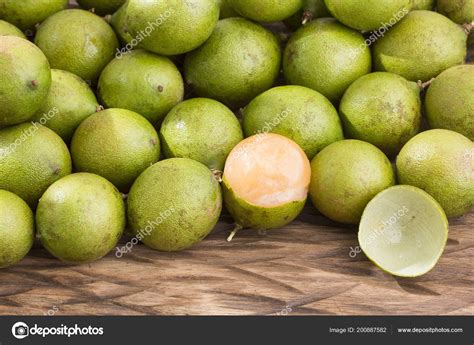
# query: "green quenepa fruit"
{"points": [[326, 56], [17, 228], [449, 101], [441, 162], [69, 47], [226, 11], [422, 5], [266, 11], [25, 14], [24, 81], [80, 218], [201, 129], [174, 204], [459, 11], [240, 60], [143, 82], [296, 112], [383, 109], [118, 21], [32, 157], [171, 27], [101, 7], [69, 102], [345, 176], [117, 144], [368, 15], [411, 48], [7, 29]]}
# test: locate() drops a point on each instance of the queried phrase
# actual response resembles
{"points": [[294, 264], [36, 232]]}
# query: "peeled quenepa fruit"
{"points": [[80, 218], [7, 29], [459, 11], [69, 102], [449, 101], [422, 4], [171, 27], [403, 230], [17, 228], [201, 129], [345, 176], [412, 47], [117, 144], [368, 15], [299, 113], [32, 157], [266, 10], [265, 181], [382, 109], [240, 60], [25, 14], [101, 7], [24, 82], [326, 56], [69, 47], [130, 79], [174, 204], [441, 162]]}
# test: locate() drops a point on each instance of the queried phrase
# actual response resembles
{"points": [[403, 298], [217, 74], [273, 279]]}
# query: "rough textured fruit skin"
{"points": [[201, 129], [32, 157], [25, 14], [117, 144], [266, 11], [299, 113], [441, 162], [69, 102], [420, 46], [239, 61], [345, 176], [181, 26], [80, 218], [178, 201], [449, 101], [24, 81], [459, 11], [69, 47], [7, 29], [142, 82], [383, 109], [327, 57], [422, 5], [366, 15], [256, 217], [17, 228], [101, 7]]}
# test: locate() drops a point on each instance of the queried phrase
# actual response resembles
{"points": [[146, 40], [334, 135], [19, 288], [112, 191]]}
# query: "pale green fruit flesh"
{"points": [[80, 218], [101, 7], [266, 10], [7, 29], [17, 228], [459, 11], [403, 230]]}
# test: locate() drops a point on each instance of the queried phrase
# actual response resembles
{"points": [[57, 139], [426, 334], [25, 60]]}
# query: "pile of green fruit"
{"points": [[158, 114]]}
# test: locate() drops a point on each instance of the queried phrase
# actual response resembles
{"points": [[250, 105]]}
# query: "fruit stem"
{"points": [[217, 174], [234, 232], [307, 17], [124, 196], [424, 85], [468, 27]]}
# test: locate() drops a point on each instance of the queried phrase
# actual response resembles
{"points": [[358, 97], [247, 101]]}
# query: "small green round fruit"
{"points": [[32, 157], [69, 102], [411, 48], [459, 11], [449, 101], [383, 109], [296, 112], [118, 21], [24, 81], [80, 218], [174, 204], [201, 129], [345, 176], [69, 47], [143, 82], [7, 29], [101, 7], [117, 144], [240, 60], [326, 56], [266, 11], [403, 230], [422, 5], [441, 162], [17, 228], [171, 27]]}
